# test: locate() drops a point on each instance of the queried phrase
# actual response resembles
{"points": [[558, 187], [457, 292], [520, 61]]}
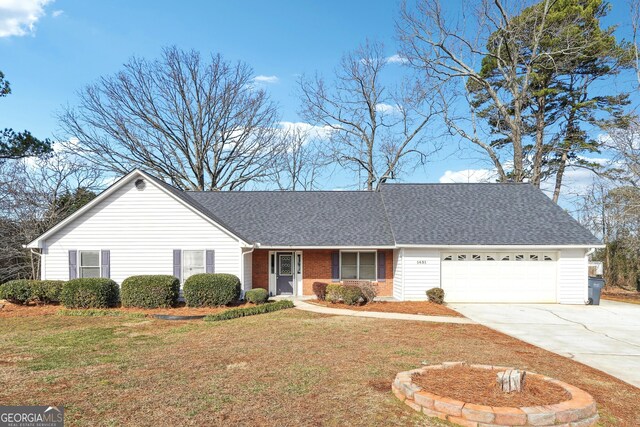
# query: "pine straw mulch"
{"points": [[621, 295], [425, 308], [15, 310], [479, 386], [8, 309]]}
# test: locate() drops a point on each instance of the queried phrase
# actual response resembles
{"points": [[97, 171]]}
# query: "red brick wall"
{"points": [[260, 269], [316, 267]]}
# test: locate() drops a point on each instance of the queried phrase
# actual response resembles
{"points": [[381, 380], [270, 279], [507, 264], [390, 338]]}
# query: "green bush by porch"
{"points": [[211, 289], [151, 291]]}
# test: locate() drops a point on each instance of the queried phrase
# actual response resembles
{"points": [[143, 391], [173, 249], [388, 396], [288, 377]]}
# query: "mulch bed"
{"points": [[407, 307], [14, 310], [622, 295], [8, 309], [479, 386]]}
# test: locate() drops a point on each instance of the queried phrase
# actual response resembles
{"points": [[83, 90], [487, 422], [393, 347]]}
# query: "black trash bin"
{"points": [[595, 289]]}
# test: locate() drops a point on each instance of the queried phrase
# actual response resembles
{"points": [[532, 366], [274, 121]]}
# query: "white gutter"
{"points": [[493, 247]]}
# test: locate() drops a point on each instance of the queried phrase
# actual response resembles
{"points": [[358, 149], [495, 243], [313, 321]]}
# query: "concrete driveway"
{"points": [[606, 337]]}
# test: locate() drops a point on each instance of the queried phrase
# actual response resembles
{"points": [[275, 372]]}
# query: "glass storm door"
{"points": [[285, 276]]}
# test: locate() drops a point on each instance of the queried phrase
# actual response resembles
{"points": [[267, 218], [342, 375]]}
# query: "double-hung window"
{"points": [[192, 263], [358, 265], [89, 264]]}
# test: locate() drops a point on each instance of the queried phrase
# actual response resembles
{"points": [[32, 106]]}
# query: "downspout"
{"points": [[253, 248], [33, 272]]}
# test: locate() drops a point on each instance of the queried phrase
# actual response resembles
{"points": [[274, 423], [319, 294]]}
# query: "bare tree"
{"points": [[634, 9], [624, 143], [200, 125], [35, 194], [374, 129], [518, 77], [301, 163]]}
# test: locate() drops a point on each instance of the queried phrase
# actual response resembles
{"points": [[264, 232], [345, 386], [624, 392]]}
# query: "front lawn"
{"points": [[284, 368]]}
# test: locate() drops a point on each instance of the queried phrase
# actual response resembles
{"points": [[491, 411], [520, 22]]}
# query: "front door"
{"points": [[284, 274]]}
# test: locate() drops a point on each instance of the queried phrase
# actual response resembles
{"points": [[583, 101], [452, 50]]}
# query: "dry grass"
{"points": [[289, 368], [408, 307]]}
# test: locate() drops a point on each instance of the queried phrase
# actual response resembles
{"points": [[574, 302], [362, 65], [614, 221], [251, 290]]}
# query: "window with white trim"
{"points": [[358, 266], [192, 263], [89, 264]]}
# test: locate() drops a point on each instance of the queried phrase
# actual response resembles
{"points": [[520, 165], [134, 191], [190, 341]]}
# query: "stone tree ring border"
{"points": [[579, 411]]}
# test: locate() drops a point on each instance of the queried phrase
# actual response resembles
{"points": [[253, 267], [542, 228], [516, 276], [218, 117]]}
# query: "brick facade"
{"points": [[316, 267]]}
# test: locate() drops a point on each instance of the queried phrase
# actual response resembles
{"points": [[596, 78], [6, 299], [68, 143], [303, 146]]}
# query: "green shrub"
{"points": [[320, 289], [91, 312], [90, 293], [211, 290], [436, 295], [348, 294], [234, 313], [334, 293], [369, 291], [351, 294], [46, 291], [150, 291], [16, 291], [257, 296]]}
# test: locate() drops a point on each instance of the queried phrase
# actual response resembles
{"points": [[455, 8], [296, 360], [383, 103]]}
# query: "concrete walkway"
{"points": [[606, 337], [301, 305]]}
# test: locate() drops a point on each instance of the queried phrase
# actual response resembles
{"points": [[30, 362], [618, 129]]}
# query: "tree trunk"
{"points": [[559, 175], [538, 154], [511, 380]]}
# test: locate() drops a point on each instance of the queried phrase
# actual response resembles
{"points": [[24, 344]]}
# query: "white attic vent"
{"points": [[140, 184]]}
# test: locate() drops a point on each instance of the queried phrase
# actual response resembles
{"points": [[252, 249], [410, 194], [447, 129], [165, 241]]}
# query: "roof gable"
{"points": [[174, 193]]}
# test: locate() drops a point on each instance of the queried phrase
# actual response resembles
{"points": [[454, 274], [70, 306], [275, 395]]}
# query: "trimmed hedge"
{"points": [[92, 312], [46, 291], [90, 293], [16, 291], [334, 292], [351, 294], [257, 296], [348, 294], [151, 291], [23, 291], [211, 289], [436, 295], [320, 289], [234, 313]]}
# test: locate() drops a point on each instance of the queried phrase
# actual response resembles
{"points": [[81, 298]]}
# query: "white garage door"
{"points": [[499, 277]]}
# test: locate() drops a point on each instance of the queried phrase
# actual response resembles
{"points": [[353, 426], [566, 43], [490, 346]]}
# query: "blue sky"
{"points": [[72, 43]]}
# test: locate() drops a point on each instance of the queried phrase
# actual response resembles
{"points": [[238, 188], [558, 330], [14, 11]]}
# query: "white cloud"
{"points": [[19, 17], [469, 175], [57, 13], [397, 59], [387, 108], [265, 79], [313, 132]]}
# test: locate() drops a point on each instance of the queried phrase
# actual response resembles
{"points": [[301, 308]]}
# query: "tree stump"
{"points": [[511, 380]]}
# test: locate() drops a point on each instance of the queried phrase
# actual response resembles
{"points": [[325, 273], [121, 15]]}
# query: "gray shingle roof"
{"points": [[479, 214], [403, 214], [292, 218]]}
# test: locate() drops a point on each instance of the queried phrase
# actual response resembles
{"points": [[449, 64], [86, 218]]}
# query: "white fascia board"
{"points": [[325, 247], [509, 247]]}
